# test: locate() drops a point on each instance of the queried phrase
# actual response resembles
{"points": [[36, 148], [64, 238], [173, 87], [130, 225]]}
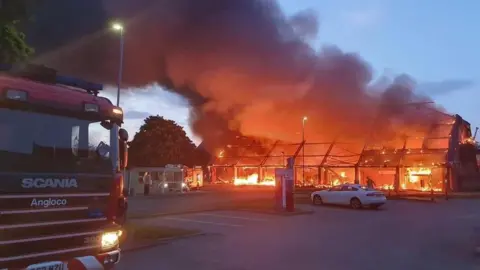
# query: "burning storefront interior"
{"points": [[444, 159]]}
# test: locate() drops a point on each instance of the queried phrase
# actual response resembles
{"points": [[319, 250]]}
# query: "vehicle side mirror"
{"points": [[107, 125], [123, 154], [102, 150], [123, 135]]}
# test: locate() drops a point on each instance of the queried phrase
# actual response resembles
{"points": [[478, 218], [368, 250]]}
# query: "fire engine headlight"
{"points": [[184, 185], [110, 239]]}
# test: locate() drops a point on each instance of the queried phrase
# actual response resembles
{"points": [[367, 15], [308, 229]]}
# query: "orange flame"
{"points": [[253, 180]]}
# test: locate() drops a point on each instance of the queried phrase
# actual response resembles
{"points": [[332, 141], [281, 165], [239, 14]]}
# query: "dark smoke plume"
{"points": [[245, 67]]}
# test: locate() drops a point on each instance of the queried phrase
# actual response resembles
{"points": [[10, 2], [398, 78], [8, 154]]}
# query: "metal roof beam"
{"points": [[268, 154], [325, 157], [298, 150]]}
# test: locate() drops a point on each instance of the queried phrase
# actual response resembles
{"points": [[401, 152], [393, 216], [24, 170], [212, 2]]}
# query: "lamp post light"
{"points": [[304, 119], [117, 27]]}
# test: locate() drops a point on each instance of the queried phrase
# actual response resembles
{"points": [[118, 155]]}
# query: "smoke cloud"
{"points": [[246, 68]]}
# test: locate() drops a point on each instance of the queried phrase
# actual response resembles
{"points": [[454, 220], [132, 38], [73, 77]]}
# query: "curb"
{"points": [[280, 213], [158, 242], [426, 200]]}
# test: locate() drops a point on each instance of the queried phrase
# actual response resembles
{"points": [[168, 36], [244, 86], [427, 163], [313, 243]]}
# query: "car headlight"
{"points": [[165, 185], [184, 185], [110, 239]]}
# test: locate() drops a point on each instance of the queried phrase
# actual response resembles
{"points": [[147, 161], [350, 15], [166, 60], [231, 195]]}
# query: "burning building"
{"points": [[444, 158]]}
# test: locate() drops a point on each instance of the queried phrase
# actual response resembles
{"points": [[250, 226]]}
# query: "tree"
{"points": [[160, 142], [13, 47]]}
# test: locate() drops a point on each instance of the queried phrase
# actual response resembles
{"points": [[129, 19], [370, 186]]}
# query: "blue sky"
{"points": [[437, 42]]}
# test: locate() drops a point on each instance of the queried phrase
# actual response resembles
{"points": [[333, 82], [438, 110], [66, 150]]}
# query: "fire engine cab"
{"points": [[62, 204]]}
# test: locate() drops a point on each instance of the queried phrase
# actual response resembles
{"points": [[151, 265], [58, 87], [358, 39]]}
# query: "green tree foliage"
{"points": [[160, 142], [13, 47]]}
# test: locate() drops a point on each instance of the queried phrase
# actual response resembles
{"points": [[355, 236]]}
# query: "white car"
{"points": [[357, 196]]}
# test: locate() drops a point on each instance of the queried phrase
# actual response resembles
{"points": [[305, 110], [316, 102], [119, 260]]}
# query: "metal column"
{"points": [[396, 181], [325, 176], [357, 174], [319, 173]]}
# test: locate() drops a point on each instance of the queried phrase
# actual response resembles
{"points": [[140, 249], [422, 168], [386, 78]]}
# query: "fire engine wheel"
{"points": [[317, 200], [355, 203]]}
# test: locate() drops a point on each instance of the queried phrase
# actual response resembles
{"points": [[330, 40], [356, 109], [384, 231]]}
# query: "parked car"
{"points": [[354, 195]]}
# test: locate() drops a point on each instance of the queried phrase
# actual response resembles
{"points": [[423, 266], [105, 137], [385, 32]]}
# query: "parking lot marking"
{"points": [[204, 222], [232, 217]]}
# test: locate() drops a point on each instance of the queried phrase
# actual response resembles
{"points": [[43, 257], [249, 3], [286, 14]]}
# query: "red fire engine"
{"points": [[62, 203]]}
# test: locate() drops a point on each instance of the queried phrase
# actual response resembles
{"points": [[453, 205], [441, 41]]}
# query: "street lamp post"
{"points": [[303, 148], [119, 28]]}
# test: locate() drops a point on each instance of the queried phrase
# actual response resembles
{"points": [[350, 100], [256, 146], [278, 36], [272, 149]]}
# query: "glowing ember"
{"points": [[335, 182], [386, 187], [470, 140], [252, 180], [419, 171], [430, 189]]}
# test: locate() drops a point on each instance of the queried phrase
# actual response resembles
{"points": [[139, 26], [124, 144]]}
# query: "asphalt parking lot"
{"points": [[216, 222], [174, 203], [402, 235]]}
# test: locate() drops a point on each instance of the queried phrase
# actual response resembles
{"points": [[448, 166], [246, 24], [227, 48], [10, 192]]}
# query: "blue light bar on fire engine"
{"points": [[79, 83], [47, 75]]}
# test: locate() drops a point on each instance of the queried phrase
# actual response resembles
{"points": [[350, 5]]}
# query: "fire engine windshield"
{"points": [[37, 142]]}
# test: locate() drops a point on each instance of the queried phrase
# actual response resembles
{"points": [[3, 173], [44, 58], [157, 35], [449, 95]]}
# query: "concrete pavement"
{"points": [[404, 235]]}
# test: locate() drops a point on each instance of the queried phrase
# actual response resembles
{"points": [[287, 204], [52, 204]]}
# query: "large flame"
{"points": [[412, 181], [415, 173], [252, 180]]}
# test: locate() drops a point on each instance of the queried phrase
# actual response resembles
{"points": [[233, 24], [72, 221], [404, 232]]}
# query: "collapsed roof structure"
{"points": [[432, 161]]}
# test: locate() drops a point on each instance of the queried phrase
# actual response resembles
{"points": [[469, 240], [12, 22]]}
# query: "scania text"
{"points": [[49, 183]]}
